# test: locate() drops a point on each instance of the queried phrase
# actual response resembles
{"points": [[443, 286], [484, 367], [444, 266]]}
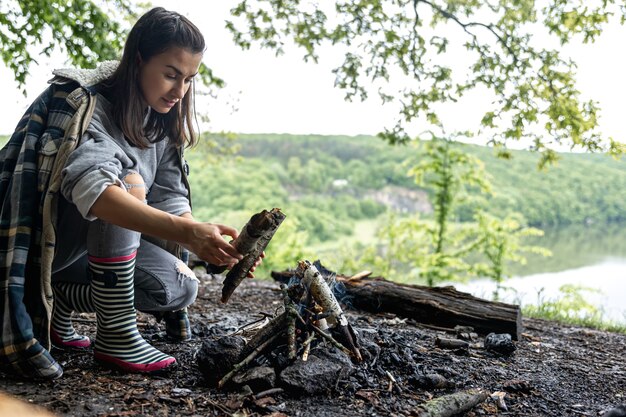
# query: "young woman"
{"points": [[125, 195]]}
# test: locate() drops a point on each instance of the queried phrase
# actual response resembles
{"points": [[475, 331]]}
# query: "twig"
{"points": [[217, 405], [291, 332], [307, 346], [291, 312], [326, 336], [253, 325], [268, 392], [247, 360]]}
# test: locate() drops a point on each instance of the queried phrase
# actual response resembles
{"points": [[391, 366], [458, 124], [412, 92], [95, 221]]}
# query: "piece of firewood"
{"points": [[444, 307], [277, 325], [251, 243], [451, 404], [322, 294], [443, 343]]}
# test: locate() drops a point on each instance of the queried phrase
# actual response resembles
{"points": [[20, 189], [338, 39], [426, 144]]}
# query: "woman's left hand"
{"points": [[256, 264]]}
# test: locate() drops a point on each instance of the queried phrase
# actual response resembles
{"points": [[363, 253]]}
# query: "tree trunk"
{"points": [[440, 306]]}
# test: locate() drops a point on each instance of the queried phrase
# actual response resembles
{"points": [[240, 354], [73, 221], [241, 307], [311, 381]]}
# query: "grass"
{"points": [[572, 308], [537, 312]]}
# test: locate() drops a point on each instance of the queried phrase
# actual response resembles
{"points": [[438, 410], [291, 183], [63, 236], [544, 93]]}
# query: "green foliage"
{"points": [[87, 32], [440, 250], [572, 308], [500, 242], [417, 44], [447, 172]]}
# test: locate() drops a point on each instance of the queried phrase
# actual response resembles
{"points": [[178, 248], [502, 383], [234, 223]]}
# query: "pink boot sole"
{"points": [[74, 344], [134, 367]]}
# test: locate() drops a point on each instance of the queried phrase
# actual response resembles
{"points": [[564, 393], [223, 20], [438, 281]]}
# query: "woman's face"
{"points": [[165, 78]]}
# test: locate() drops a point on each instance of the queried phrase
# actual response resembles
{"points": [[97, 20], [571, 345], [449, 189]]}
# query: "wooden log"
{"points": [[251, 243], [451, 404], [443, 307]]}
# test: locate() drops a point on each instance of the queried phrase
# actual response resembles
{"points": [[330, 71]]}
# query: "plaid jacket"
{"points": [[30, 177]]}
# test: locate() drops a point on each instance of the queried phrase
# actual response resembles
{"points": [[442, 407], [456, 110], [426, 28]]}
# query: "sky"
{"points": [[286, 95]]}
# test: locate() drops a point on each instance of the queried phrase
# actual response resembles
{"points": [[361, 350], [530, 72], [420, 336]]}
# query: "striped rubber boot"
{"points": [[118, 341], [69, 297]]}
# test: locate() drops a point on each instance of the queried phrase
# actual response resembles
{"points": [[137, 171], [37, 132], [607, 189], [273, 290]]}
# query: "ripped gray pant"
{"points": [[162, 281]]}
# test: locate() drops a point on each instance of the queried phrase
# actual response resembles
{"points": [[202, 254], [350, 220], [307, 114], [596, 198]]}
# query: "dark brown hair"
{"points": [[154, 33]]}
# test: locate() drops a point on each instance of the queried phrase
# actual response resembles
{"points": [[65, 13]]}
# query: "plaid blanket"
{"points": [[30, 176]]}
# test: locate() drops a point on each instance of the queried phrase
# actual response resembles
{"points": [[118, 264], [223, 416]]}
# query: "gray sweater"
{"points": [[103, 157]]}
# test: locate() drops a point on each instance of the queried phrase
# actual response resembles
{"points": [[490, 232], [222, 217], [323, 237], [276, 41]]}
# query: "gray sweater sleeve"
{"points": [[168, 192], [91, 168]]}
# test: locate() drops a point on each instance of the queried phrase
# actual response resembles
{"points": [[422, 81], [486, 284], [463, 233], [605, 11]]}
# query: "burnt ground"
{"points": [[556, 370]]}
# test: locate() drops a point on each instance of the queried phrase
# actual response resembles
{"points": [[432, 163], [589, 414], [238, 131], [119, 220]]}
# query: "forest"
{"points": [[338, 190]]}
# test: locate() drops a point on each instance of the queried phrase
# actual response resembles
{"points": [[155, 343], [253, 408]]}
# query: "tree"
{"points": [[84, 31], [414, 43], [500, 241], [87, 31], [448, 171]]}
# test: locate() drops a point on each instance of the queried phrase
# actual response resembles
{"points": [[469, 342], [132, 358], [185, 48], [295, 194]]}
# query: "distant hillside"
{"points": [[331, 181], [581, 188]]}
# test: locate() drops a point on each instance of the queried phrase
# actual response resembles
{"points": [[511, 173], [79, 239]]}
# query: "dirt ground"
{"points": [[555, 371]]}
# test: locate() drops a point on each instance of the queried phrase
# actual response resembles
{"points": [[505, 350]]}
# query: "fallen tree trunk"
{"points": [[440, 306], [451, 404]]}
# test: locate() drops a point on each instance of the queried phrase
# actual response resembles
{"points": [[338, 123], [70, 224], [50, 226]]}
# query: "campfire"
{"points": [[310, 316]]}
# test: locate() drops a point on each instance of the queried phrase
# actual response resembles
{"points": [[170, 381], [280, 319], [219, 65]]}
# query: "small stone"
{"points": [[258, 379], [430, 381], [517, 386], [317, 375], [619, 411], [216, 357], [500, 343]]}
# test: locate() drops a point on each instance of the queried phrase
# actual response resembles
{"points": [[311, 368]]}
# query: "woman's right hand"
{"points": [[206, 241]]}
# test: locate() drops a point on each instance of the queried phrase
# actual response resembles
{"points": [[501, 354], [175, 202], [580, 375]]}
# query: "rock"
{"points": [[317, 375], [369, 349], [430, 381], [216, 357], [465, 333], [500, 343], [258, 379], [619, 411], [517, 386]]}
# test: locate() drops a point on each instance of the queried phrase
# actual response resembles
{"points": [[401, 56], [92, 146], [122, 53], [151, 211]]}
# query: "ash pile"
{"points": [[303, 349]]}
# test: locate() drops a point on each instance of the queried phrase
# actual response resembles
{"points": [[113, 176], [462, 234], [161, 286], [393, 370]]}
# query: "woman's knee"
{"points": [[164, 286], [135, 185], [188, 288]]}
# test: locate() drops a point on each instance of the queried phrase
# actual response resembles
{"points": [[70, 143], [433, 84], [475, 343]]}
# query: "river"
{"points": [[592, 257]]}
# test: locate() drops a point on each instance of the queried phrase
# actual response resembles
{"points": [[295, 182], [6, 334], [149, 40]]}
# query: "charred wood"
{"points": [[452, 404], [451, 343]]}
